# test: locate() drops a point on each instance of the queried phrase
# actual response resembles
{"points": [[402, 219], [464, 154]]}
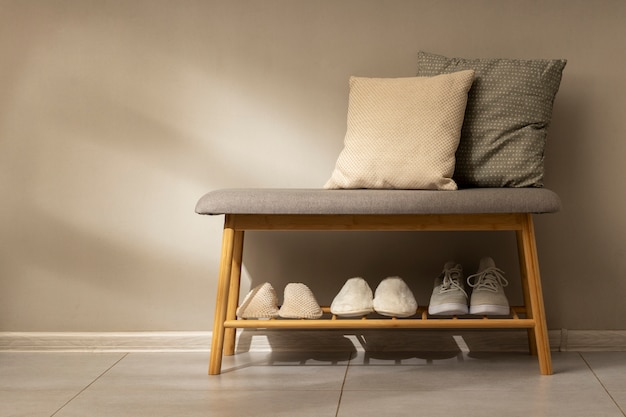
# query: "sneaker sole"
{"points": [[448, 309], [490, 310]]}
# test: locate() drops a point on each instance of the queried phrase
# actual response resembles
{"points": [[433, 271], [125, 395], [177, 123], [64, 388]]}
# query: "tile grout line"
{"points": [[88, 385], [343, 384], [602, 384]]}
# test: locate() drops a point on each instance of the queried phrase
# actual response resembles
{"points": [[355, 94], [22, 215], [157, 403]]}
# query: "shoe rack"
{"points": [[529, 316]]}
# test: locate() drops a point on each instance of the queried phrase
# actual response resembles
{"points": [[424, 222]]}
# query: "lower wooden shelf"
{"points": [[420, 320]]}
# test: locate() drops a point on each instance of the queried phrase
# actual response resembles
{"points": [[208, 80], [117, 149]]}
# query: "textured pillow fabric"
{"points": [[509, 109], [402, 132]]}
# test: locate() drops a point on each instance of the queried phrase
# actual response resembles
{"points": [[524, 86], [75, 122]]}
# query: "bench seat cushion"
{"points": [[367, 201]]}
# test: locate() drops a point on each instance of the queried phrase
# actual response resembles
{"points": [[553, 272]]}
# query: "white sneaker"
{"points": [[488, 296], [449, 297]]}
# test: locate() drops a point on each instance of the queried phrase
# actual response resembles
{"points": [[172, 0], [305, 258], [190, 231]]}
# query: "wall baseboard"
{"points": [[104, 341], [592, 340], [276, 340]]}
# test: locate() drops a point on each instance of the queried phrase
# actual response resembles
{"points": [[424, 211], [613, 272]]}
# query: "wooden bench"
{"points": [[485, 209]]}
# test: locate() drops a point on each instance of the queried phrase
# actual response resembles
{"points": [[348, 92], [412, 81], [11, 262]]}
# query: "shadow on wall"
{"points": [[115, 117], [101, 164], [81, 279]]}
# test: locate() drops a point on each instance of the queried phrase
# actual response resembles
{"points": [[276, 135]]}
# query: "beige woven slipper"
{"points": [[394, 298], [354, 299], [299, 303], [260, 303]]}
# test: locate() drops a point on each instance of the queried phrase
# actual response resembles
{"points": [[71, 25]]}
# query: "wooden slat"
{"points": [[425, 321], [420, 222], [481, 323]]}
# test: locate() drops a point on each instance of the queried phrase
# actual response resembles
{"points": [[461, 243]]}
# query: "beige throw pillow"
{"points": [[402, 132]]}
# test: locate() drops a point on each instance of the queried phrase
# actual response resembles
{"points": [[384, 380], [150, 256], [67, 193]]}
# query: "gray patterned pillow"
{"points": [[508, 112]]}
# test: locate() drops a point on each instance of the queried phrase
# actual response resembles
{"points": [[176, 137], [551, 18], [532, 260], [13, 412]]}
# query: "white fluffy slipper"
{"points": [[394, 298], [260, 303], [354, 299], [299, 303]]}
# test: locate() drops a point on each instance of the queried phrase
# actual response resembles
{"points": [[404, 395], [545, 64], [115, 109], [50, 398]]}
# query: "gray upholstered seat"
{"points": [[333, 202]]}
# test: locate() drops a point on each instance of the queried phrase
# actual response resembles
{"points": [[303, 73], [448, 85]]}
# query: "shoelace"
{"points": [[451, 280], [490, 279]]}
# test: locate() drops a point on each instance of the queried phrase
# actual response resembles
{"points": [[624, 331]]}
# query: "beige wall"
{"points": [[116, 116]]}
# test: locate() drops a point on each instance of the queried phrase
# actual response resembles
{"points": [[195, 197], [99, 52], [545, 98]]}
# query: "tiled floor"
{"points": [[312, 384]]}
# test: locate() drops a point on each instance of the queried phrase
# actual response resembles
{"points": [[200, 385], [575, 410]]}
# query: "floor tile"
{"points": [[620, 399], [33, 403], [573, 403], [204, 403], [609, 368], [38, 384], [473, 371], [53, 370], [371, 382], [168, 371], [259, 384]]}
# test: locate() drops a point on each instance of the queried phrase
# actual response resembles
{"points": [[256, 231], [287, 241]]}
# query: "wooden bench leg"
{"points": [[532, 343], [533, 297], [221, 304], [233, 293]]}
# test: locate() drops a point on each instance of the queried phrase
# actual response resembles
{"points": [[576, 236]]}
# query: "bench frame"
{"points": [[235, 225]]}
